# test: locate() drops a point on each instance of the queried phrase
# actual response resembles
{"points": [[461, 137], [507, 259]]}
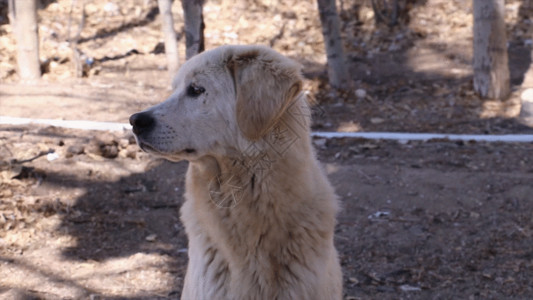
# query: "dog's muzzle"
{"points": [[142, 122]]}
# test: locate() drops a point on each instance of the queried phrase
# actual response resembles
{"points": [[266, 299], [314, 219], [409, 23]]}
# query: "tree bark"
{"points": [[526, 96], [491, 70], [25, 29], [11, 13], [385, 12], [73, 41], [167, 26], [194, 27], [337, 71]]}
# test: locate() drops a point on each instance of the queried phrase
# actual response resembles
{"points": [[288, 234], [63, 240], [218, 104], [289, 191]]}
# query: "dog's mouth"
{"points": [[152, 150], [146, 147], [149, 148]]}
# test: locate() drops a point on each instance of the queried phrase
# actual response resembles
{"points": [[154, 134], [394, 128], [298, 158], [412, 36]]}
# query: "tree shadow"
{"points": [[108, 32], [519, 50], [52, 132], [81, 291], [116, 217], [35, 269], [119, 219], [397, 9], [417, 82], [112, 218]]}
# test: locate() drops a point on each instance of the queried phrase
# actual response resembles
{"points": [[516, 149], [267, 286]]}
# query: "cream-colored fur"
{"points": [[259, 211]]}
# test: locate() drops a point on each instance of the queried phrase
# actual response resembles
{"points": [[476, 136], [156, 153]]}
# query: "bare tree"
{"points": [[194, 27], [23, 15], [73, 41], [167, 26], [11, 12], [386, 11], [337, 71], [526, 110], [491, 70]]}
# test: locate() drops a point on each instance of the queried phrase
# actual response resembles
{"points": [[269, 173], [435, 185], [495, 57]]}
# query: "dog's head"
{"points": [[222, 99]]}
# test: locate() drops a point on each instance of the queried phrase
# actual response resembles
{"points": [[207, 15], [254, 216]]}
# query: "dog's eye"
{"points": [[195, 91]]}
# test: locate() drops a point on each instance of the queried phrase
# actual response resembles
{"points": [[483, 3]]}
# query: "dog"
{"points": [[259, 211]]}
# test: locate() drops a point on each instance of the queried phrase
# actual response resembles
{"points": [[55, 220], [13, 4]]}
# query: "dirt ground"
{"points": [[86, 215]]}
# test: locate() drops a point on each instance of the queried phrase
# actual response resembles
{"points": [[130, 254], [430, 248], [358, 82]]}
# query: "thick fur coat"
{"points": [[259, 212]]}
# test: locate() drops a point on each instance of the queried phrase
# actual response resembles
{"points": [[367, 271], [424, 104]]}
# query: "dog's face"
{"points": [[222, 100]]}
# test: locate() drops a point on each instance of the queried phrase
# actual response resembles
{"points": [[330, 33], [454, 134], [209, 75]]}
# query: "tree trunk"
{"points": [[385, 11], [337, 72], [526, 109], [167, 26], [25, 30], [73, 41], [491, 70], [194, 27], [11, 13]]}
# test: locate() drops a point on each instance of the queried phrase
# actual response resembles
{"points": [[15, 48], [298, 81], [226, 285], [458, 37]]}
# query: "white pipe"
{"points": [[78, 124], [400, 136], [397, 136]]}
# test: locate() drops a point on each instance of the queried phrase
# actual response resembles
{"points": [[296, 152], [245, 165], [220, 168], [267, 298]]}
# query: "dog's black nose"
{"points": [[142, 122]]}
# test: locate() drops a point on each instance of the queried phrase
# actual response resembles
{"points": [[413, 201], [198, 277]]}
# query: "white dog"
{"points": [[259, 212]]}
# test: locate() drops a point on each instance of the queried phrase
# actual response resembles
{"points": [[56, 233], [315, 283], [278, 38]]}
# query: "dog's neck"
{"points": [[247, 177], [263, 218]]}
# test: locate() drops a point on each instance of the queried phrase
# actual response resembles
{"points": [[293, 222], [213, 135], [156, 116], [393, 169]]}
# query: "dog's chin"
{"points": [[185, 154]]}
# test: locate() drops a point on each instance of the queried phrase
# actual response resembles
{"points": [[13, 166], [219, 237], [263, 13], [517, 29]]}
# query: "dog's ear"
{"points": [[266, 83]]}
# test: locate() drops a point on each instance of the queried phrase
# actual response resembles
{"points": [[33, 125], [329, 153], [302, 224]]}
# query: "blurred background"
{"points": [[85, 214]]}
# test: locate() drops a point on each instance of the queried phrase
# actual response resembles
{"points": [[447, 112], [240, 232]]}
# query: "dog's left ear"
{"points": [[266, 83]]}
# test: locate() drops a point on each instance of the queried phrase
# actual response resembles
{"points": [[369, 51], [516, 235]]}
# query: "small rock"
{"points": [[75, 150], [95, 297], [7, 193], [105, 145], [109, 151], [474, 215], [526, 111], [107, 138], [349, 127], [129, 152], [379, 214], [111, 8], [123, 143], [320, 143], [409, 288], [527, 95], [353, 280], [151, 237], [376, 120], [369, 146], [403, 142], [360, 93], [52, 156]]}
